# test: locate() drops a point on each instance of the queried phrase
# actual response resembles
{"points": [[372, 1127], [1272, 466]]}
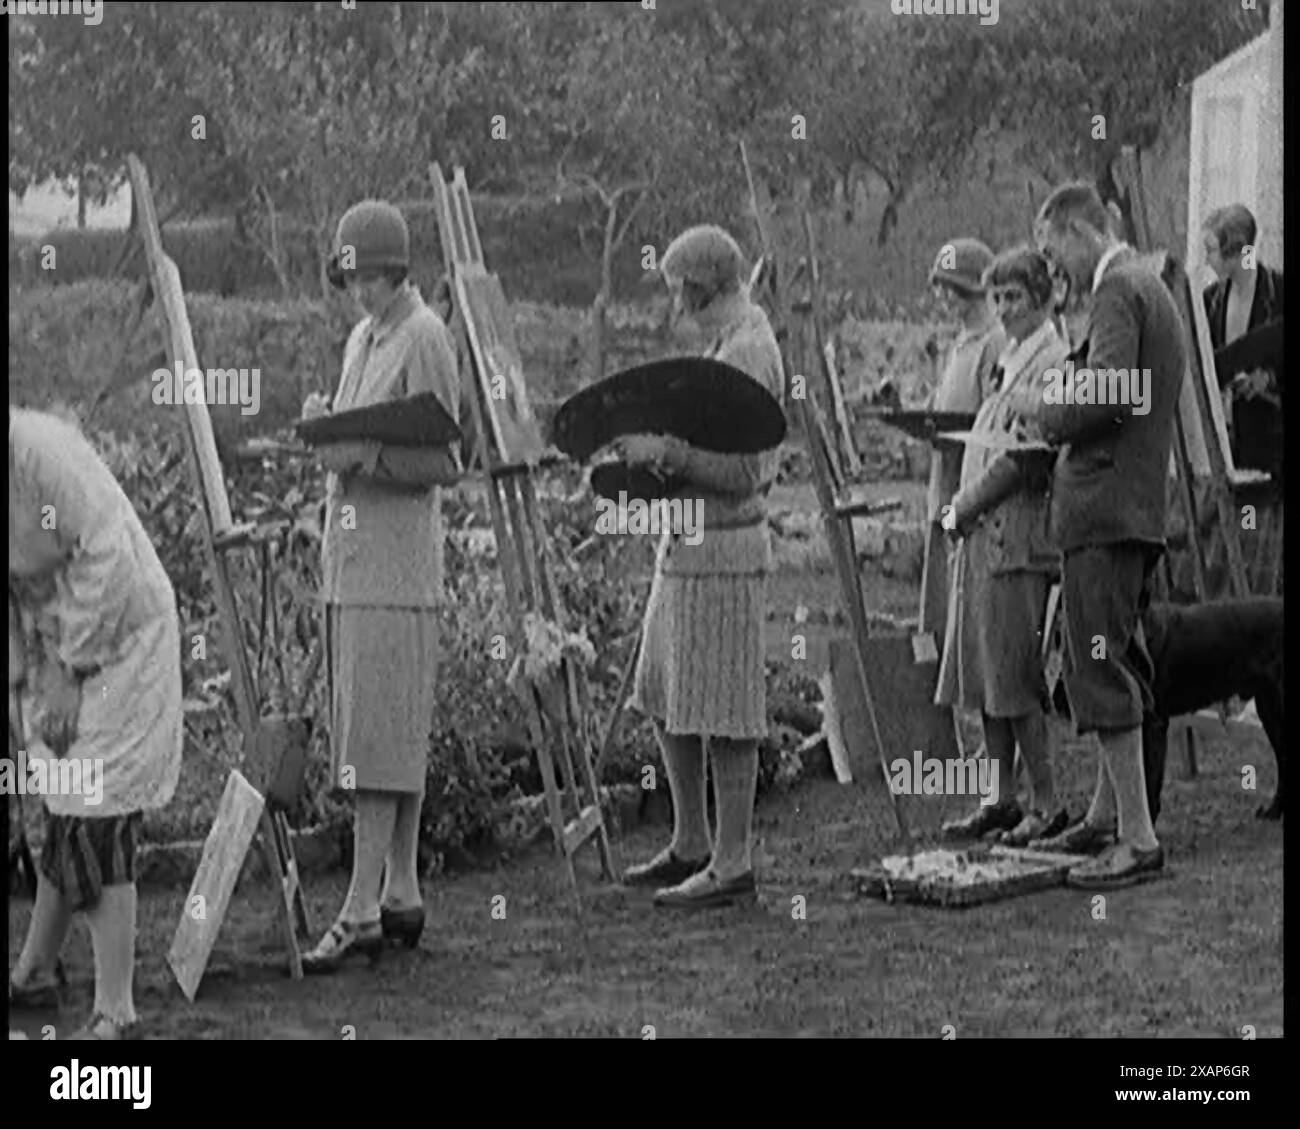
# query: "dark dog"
{"points": [[1204, 654]]}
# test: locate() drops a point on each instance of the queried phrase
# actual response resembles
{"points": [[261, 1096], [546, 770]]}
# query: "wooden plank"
{"points": [[167, 287], [846, 566], [841, 410], [1220, 467], [223, 857]]}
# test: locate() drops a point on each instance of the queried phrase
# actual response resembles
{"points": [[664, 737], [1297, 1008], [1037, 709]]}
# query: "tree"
{"points": [[81, 98], [326, 107], [1091, 78], [619, 105]]}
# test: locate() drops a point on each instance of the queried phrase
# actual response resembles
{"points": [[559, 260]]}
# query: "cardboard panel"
{"points": [[214, 883], [903, 692]]}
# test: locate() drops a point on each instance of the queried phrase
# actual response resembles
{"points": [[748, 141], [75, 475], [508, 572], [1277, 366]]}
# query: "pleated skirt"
{"points": [[992, 650], [382, 671], [701, 668]]}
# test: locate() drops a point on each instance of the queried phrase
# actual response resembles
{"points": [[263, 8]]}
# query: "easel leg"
{"points": [[280, 871]]}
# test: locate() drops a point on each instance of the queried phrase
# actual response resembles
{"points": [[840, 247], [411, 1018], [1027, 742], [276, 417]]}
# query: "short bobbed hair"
{"points": [[1022, 266], [1233, 226]]}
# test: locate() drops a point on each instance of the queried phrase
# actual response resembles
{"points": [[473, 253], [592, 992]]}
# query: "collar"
{"points": [[1018, 353], [1109, 257], [404, 302]]}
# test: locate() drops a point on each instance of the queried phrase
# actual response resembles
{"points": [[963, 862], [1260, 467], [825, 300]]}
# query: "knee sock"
{"points": [[735, 779], [402, 887], [684, 760], [1000, 748], [1101, 812], [372, 833], [112, 935], [1123, 751], [1031, 736], [46, 933]]}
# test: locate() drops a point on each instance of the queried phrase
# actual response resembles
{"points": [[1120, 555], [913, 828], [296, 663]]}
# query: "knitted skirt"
{"points": [[701, 667], [383, 677]]}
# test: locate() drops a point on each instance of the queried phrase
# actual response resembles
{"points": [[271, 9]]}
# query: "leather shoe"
{"points": [[344, 939], [42, 995], [665, 869], [1122, 865], [1081, 839], [402, 926], [705, 890], [1035, 825], [994, 817]]}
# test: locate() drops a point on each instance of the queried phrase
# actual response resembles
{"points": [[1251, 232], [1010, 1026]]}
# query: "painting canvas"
{"points": [[515, 431]]}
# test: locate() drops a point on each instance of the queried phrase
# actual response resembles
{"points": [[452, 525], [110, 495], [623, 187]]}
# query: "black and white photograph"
{"points": [[672, 519]]}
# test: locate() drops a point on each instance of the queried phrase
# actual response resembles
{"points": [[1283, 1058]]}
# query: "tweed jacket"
{"points": [[1110, 480], [1010, 495]]}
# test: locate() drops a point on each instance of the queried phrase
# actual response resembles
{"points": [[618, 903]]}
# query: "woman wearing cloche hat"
{"points": [[382, 560], [701, 675], [964, 384]]}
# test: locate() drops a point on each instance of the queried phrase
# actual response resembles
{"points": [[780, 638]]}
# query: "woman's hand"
{"points": [[315, 406], [644, 450], [60, 700], [1254, 385]]}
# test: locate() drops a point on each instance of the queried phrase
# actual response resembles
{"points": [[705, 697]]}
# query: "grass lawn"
{"points": [[1198, 952]]}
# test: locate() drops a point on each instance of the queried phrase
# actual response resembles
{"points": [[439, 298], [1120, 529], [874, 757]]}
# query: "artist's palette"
{"points": [[710, 405], [1008, 442], [418, 421], [924, 424]]}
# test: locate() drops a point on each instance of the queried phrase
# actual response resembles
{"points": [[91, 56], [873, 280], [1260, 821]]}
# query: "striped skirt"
{"points": [[383, 678], [83, 854], [701, 668]]}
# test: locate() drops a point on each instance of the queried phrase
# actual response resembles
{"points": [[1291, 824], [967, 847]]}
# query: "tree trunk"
{"points": [[81, 200], [605, 293], [889, 217]]}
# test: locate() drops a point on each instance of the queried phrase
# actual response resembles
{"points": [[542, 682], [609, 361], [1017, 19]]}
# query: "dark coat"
{"points": [[1110, 483]]}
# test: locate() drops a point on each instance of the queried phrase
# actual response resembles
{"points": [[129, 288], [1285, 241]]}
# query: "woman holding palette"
{"points": [[1003, 567], [700, 675], [381, 583]]}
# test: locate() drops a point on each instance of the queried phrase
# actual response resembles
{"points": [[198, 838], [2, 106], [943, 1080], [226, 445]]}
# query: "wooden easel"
{"points": [[242, 806], [510, 448], [1200, 366], [837, 519]]}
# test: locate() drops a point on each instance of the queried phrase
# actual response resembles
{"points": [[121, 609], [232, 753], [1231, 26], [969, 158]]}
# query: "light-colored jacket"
{"points": [[1010, 497], [383, 544], [106, 610], [963, 386]]}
